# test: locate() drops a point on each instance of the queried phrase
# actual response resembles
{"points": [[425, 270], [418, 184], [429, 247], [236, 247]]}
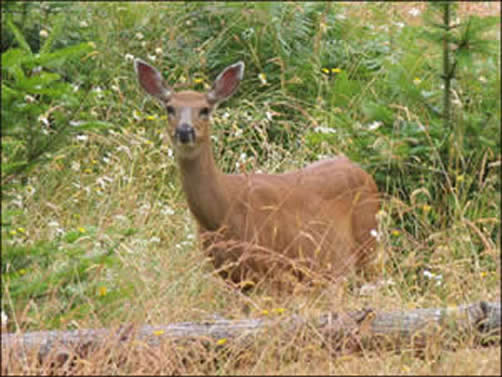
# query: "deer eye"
{"points": [[170, 110], [204, 111]]}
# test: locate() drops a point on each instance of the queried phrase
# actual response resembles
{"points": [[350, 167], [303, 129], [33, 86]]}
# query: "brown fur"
{"points": [[316, 220]]}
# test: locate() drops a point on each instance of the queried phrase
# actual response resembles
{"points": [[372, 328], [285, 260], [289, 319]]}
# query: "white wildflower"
{"points": [[375, 234], [139, 35], [324, 130], [129, 57], [98, 91], [76, 123], [82, 137], [75, 166], [83, 24], [4, 319], [428, 274], [166, 210], [43, 119], [152, 57], [269, 115], [158, 51], [375, 125], [43, 33], [414, 12], [136, 114], [29, 99]]}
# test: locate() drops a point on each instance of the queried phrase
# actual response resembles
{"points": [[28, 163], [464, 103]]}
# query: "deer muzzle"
{"points": [[184, 133]]}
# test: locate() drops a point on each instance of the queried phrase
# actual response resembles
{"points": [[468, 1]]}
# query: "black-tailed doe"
{"points": [[316, 221]]}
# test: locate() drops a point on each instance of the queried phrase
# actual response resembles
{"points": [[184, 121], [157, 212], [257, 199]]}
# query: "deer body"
{"points": [[314, 220]]}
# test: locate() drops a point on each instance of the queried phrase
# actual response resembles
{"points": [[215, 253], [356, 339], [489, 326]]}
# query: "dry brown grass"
{"points": [[161, 276]]}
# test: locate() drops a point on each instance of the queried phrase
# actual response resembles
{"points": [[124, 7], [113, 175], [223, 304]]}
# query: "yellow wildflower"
{"points": [[426, 208], [325, 70], [88, 171], [460, 178], [279, 310], [151, 117], [483, 274], [22, 272], [395, 232], [221, 341], [336, 70], [102, 291], [198, 80], [82, 229], [263, 78], [21, 230], [416, 81], [158, 332], [13, 232]]}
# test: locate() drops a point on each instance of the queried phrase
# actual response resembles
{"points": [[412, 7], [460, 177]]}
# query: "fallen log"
{"points": [[345, 332]]}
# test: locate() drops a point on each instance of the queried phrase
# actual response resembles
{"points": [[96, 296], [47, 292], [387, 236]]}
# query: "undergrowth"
{"points": [[99, 233]]}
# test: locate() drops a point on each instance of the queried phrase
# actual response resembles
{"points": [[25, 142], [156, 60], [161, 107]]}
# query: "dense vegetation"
{"points": [[95, 228]]}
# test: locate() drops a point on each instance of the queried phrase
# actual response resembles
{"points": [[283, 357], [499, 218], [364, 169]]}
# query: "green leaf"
{"points": [[8, 168], [43, 79], [55, 32], [57, 57], [14, 57], [91, 125], [18, 35], [8, 93], [378, 112]]}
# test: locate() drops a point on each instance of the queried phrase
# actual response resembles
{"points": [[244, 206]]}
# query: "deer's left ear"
{"points": [[151, 80], [226, 83]]}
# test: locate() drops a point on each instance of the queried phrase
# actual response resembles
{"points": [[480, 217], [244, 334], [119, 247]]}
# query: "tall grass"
{"points": [[101, 234]]}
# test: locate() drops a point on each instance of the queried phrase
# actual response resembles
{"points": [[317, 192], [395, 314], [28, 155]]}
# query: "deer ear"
{"points": [[226, 83], [151, 80]]}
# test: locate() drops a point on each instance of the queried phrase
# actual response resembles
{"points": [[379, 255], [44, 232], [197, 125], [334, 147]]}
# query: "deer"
{"points": [[316, 221]]}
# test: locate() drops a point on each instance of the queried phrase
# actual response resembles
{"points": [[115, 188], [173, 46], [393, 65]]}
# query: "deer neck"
{"points": [[204, 189]]}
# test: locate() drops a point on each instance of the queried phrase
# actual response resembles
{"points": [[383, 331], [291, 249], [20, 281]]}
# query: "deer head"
{"points": [[189, 111]]}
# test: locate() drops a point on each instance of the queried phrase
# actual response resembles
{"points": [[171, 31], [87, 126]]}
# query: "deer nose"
{"points": [[185, 133]]}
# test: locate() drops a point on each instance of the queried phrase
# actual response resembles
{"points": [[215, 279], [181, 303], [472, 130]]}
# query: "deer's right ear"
{"points": [[226, 83], [151, 80]]}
